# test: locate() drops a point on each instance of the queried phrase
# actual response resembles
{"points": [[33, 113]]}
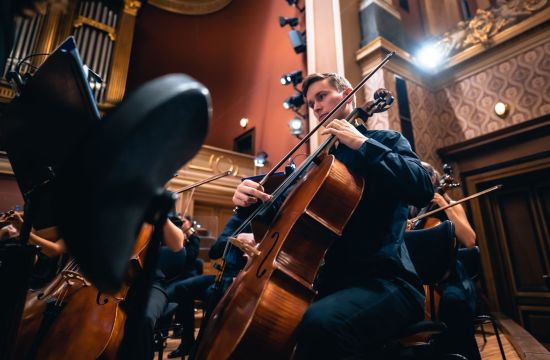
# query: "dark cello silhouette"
{"points": [[122, 168]]}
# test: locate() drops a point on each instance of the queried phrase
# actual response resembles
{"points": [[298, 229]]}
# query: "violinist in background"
{"points": [[7, 230], [463, 230], [368, 289], [458, 299], [177, 257], [202, 287], [49, 260]]}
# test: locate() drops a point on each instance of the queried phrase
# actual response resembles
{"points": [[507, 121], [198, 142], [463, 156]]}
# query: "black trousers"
{"points": [[457, 307], [157, 302], [185, 292], [350, 323]]}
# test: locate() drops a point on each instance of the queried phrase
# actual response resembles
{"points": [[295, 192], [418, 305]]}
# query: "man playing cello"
{"points": [[368, 289]]}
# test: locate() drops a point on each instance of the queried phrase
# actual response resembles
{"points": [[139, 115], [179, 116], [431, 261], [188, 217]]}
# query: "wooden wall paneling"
{"points": [[511, 229], [512, 224], [537, 319], [10, 196], [212, 216]]}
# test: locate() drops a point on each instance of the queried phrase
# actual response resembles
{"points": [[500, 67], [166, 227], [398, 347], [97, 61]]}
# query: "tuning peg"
{"points": [[381, 94]]}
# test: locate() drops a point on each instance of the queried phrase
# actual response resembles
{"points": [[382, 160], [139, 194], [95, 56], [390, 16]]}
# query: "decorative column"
{"points": [[122, 51], [382, 32], [440, 16], [48, 39]]}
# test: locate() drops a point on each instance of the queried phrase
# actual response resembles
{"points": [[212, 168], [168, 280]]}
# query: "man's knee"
{"points": [[314, 325]]}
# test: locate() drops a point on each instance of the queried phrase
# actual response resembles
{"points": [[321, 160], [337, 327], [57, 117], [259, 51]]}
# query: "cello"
{"points": [[267, 300], [53, 324], [72, 318]]}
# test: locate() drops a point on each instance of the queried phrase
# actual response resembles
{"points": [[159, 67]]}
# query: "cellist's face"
{"points": [[323, 97]]}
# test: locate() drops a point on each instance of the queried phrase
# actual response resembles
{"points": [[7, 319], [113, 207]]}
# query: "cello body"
{"points": [[262, 308], [85, 323]]}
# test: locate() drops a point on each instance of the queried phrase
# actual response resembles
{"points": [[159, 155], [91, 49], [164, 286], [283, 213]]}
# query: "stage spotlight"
{"points": [[294, 77], [430, 56], [295, 126], [297, 41], [293, 102], [260, 159], [295, 4], [290, 21]]}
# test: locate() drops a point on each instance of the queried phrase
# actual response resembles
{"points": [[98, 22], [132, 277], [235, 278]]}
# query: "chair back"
{"points": [[470, 258], [432, 251]]}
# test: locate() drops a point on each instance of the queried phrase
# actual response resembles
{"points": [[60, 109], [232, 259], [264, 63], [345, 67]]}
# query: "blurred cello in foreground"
{"points": [[70, 318]]}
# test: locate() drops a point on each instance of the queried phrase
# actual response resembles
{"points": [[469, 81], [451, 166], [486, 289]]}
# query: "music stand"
{"points": [[54, 111]]}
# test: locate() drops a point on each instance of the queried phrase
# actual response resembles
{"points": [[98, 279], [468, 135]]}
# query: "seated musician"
{"points": [[49, 260], [458, 299], [202, 287], [184, 253], [368, 290]]}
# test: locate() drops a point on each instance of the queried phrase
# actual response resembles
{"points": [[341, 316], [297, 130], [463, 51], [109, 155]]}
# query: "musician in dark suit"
{"points": [[368, 290], [458, 298], [202, 287], [175, 254]]}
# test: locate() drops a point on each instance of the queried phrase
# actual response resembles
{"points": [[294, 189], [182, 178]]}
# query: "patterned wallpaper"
{"points": [[389, 119], [465, 109]]}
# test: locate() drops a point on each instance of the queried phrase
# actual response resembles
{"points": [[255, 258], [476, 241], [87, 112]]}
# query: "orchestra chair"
{"points": [[433, 253], [470, 258], [163, 325]]}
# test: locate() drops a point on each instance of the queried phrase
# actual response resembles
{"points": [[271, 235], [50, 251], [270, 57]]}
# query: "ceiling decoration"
{"points": [[190, 7]]}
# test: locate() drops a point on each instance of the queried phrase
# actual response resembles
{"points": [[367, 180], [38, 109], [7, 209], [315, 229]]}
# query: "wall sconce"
{"points": [[296, 126], [502, 109], [243, 122], [260, 159]]}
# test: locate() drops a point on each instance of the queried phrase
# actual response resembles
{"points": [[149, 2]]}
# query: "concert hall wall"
{"points": [[464, 109], [239, 53]]}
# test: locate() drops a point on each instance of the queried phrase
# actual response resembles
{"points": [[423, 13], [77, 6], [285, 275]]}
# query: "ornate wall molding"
{"points": [[509, 43], [486, 24], [83, 20], [211, 161], [207, 162], [190, 7]]}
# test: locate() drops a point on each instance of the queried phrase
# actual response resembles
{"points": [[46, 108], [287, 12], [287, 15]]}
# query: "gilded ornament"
{"points": [[132, 6], [190, 7], [534, 5], [487, 23], [83, 20], [482, 27]]}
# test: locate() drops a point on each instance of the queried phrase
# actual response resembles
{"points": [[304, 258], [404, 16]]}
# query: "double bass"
{"points": [[266, 301]]}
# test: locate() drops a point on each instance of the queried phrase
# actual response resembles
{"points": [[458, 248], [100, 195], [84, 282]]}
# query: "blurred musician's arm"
{"points": [[463, 230], [173, 236]]}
